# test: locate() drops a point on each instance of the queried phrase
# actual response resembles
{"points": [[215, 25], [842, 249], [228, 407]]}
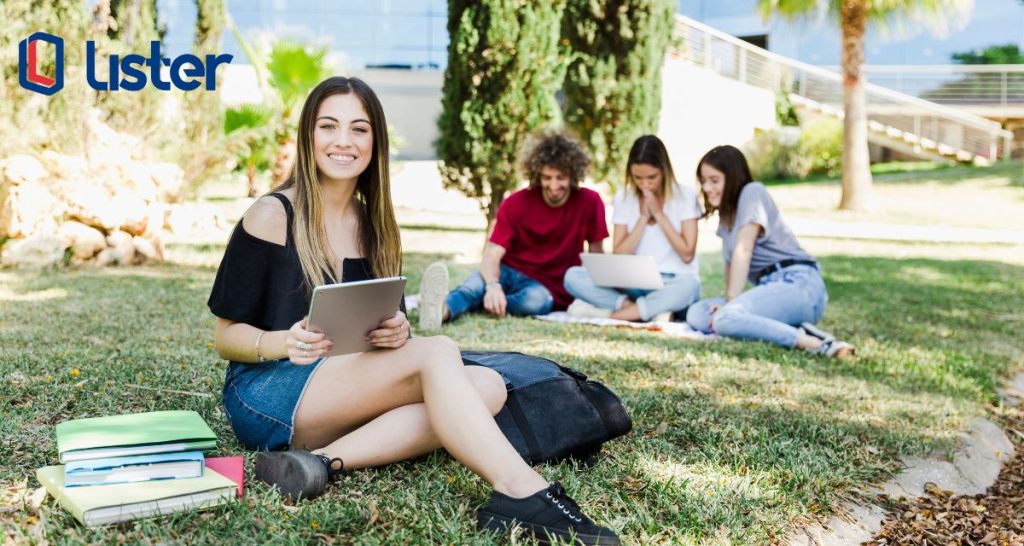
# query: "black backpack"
{"points": [[553, 412]]}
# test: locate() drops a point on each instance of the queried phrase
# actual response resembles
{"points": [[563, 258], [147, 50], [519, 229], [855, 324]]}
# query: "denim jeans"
{"points": [[768, 312], [524, 296], [678, 292]]}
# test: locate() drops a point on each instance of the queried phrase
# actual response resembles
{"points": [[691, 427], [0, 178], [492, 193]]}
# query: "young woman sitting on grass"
{"points": [[788, 296], [654, 216], [314, 418]]}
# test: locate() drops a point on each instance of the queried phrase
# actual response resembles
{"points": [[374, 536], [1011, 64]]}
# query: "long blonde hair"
{"points": [[379, 239]]}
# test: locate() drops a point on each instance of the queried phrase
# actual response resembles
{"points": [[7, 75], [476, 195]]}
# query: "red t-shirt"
{"points": [[542, 242]]}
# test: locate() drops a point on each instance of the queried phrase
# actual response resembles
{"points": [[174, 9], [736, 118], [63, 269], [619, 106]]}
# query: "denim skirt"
{"points": [[261, 400]]}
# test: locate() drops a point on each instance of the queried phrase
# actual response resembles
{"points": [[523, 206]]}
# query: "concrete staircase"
{"points": [[898, 121]]}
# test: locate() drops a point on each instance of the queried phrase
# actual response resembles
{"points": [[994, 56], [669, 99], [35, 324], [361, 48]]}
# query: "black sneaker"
{"points": [[297, 474], [549, 515]]}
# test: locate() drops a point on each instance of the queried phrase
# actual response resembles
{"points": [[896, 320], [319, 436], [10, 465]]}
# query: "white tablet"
{"points": [[346, 312], [623, 270]]}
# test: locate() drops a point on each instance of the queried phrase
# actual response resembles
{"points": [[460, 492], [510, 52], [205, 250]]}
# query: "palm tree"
{"points": [[294, 69], [251, 139], [853, 17], [285, 75]]}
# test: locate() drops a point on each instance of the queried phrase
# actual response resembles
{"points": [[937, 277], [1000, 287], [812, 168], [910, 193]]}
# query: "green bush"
{"points": [[820, 147], [790, 152]]}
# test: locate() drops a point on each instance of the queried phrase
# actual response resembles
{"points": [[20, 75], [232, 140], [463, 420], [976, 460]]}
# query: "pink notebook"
{"points": [[231, 468]]}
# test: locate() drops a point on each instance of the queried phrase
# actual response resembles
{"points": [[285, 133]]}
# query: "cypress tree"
{"points": [[204, 115], [613, 83], [504, 68]]}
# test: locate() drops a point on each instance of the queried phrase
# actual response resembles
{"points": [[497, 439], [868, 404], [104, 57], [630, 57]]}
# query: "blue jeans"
{"points": [[768, 312], [524, 296], [676, 295]]}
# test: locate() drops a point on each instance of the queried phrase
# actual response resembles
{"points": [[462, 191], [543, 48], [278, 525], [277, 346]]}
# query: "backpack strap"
{"points": [[512, 403]]}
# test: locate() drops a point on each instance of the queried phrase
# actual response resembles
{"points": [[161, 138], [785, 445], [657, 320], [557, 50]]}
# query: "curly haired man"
{"points": [[538, 234]]}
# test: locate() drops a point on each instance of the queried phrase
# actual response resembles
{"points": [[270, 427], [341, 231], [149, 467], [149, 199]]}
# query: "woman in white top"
{"points": [[654, 216]]}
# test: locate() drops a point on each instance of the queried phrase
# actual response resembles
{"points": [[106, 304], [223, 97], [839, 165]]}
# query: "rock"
{"points": [[169, 179], [22, 169], [857, 524], [85, 241], [136, 178], [92, 206], [122, 247], [982, 453], [147, 250], [134, 212], [64, 166], [156, 216], [29, 209], [104, 258], [194, 220], [34, 252], [67, 172], [919, 472]]}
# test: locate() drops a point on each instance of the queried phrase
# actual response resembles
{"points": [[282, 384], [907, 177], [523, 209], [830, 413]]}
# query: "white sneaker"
{"points": [[433, 291], [834, 348], [664, 316], [582, 309]]}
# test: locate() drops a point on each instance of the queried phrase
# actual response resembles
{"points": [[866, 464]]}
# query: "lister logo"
{"points": [[131, 72], [29, 75]]}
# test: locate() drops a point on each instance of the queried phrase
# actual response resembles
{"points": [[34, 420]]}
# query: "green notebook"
{"points": [[133, 434], [103, 504]]}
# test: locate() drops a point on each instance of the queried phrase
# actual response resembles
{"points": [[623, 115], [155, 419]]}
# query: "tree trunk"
{"points": [[492, 214], [283, 162], [856, 162], [250, 172]]}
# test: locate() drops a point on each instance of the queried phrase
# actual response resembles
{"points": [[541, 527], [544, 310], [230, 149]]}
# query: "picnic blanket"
{"points": [[674, 329]]}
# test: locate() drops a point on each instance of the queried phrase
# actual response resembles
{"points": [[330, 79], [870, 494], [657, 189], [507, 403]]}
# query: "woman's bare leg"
{"points": [[404, 432], [348, 391]]}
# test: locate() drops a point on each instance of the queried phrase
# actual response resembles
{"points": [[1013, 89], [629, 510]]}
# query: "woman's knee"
{"points": [[726, 318], [697, 317], [574, 276], [433, 352], [490, 385]]}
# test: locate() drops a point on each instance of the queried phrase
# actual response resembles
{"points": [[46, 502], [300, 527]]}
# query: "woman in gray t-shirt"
{"points": [[788, 296]]}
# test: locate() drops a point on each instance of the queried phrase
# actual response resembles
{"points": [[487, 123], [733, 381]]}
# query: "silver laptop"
{"points": [[346, 312], [623, 271]]}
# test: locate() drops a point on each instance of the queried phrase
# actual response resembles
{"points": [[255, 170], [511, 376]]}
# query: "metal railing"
{"points": [[1000, 85], [919, 122]]}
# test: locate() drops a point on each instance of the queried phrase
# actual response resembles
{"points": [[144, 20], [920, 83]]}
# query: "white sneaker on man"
{"points": [[582, 309], [433, 291]]}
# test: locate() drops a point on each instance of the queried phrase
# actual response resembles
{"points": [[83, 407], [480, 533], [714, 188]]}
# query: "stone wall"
{"points": [[109, 206]]}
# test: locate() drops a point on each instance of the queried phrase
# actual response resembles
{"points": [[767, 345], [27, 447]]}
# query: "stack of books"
{"points": [[124, 467]]}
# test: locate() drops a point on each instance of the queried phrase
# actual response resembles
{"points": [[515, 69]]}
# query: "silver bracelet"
{"points": [[493, 283], [259, 355]]}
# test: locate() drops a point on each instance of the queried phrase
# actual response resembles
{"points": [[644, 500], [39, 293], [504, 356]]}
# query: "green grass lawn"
{"points": [[733, 442]]}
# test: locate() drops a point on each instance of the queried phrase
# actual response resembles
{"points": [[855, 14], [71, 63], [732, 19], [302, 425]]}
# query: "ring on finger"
{"points": [[302, 346]]}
